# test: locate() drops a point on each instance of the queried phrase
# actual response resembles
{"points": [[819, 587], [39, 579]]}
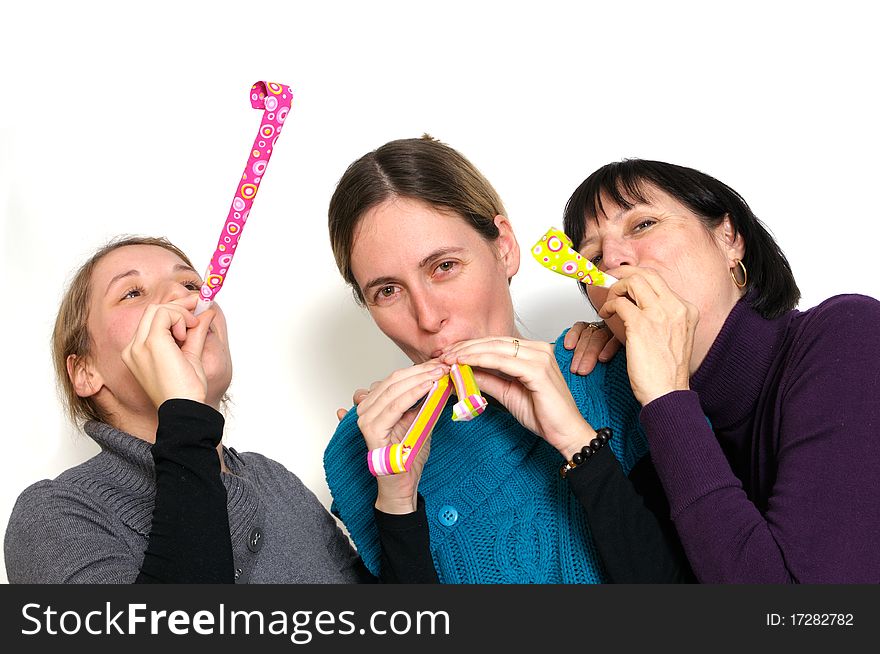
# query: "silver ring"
{"points": [[515, 347]]}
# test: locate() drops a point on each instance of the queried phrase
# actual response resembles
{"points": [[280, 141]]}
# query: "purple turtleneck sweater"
{"points": [[784, 486]]}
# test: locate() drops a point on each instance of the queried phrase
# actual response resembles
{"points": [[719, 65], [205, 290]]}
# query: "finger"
{"points": [[142, 331], [573, 335], [623, 307], [359, 396], [587, 352], [491, 384], [404, 373], [377, 423], [650, 275], [196, 337], [395, 385], [473, 341], [526, 367], [636, 288], [381, 411], [340, 414], [174, 319], [503, 346], [479, 343], [187, 302], [611, 348]]}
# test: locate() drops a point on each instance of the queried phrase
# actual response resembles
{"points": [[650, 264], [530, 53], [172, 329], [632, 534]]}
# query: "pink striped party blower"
{"points": [[275, 100]]}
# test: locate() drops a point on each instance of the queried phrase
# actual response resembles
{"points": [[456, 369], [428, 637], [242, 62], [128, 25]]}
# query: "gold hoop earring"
{"points": [[745, 274]]}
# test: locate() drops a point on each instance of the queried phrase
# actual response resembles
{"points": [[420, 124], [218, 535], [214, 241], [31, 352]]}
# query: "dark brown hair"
{"points": [[771, 282], [420, 169]]}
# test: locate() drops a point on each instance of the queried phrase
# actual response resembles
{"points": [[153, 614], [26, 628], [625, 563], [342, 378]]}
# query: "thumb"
{"points": [[340, 414], [491, 384]]}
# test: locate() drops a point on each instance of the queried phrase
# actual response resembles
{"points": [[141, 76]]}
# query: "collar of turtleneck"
{"points": [[134, 450], [730, 378]]}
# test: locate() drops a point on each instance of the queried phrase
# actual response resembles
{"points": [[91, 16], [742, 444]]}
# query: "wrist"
{"points": [[179, 394], [570, 445], [645, 398], [588, 451], [396, 505]]}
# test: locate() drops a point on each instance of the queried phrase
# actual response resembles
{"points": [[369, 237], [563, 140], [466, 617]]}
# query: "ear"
{"points": [[86, 380], [507, 245], [732, 241]]}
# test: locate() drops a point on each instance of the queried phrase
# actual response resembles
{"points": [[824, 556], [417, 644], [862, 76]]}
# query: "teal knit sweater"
{"points": [[498, 511]]}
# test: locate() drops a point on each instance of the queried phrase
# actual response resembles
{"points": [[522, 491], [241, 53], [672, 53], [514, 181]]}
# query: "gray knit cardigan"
{"points": [[91, 524]]}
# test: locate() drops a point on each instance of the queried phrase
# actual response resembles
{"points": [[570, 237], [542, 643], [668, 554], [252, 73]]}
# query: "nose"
{"points": [[429, 310], [617, 252], [173, 290]]}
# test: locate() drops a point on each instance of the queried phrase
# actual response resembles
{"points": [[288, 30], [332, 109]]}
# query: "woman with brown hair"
{"points": [[424, 241]]}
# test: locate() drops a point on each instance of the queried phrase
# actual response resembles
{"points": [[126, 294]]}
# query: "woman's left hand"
{"points": [[592, 342], [659, 329], [534, 390]]}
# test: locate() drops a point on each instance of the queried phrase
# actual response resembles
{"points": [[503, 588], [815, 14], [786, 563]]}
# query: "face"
{"points": [[664, 235], [123, 284], [430, 279]]}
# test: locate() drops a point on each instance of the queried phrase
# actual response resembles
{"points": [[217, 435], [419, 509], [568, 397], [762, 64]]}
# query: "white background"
{"points": [[123, 118]]}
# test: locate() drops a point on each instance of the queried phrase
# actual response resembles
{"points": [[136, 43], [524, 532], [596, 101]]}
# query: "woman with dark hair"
{"points": [[762, 420]]}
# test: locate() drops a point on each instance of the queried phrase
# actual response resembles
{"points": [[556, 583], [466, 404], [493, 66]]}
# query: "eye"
{"points": [[644, 224], [593, 258], [446, 266], [192, 285], [385, 294], [133, 292]]}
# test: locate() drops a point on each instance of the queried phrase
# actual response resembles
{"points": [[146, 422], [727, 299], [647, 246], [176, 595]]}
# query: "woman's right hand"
{"points": [[164, 356], [384, 417]]}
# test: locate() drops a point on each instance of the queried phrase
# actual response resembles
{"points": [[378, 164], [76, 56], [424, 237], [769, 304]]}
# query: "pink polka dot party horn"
{"points": [[556, 252], [275, 100]]}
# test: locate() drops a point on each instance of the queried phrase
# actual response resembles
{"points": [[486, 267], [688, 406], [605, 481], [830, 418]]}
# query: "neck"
{"points": [[708, 328], [144, 425]]}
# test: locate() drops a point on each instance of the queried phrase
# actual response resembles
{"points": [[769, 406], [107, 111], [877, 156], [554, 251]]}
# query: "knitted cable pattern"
{"points": [[498, 512]]}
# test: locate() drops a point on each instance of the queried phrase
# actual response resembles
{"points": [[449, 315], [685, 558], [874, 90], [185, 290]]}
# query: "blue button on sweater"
{"points": [[517, 520]]}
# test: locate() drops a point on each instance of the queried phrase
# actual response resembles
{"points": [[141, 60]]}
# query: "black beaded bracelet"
{"points": [[603, 435]]}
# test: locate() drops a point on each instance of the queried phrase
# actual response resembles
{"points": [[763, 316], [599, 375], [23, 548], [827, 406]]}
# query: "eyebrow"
{"points": [[586, 240], [436, 254], [134, 273]]}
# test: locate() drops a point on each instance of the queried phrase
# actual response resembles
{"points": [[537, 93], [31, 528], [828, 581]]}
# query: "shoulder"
{"points": [[50, 511], [844, 311], [47, 499], [611, 377], [840, 324]]}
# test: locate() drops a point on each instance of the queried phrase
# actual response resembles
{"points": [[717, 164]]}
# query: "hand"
{"points": [[384, 417], [591, 342], [659, 328], [164, 356], [357, 397], [528, 382]]}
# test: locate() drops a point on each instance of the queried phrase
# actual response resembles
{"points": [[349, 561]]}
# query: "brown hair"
{"points": [[71, 333], [421, 169]]}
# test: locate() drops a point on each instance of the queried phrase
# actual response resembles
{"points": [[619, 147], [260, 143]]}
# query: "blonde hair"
{"points": [[71, 334]]}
